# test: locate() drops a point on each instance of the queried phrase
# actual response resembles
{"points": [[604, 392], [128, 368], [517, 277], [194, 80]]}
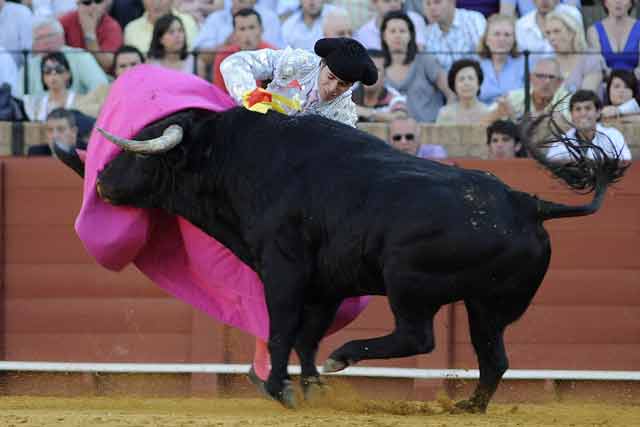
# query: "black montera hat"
{"points": [[347, 59]]}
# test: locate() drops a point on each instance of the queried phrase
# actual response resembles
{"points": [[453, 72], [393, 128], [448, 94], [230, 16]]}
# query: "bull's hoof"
{"points": [[286, 396], [332, 365], [260, 384], [314, 388], [469, 407]]}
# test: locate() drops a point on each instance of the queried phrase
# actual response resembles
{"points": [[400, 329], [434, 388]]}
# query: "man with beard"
{"points": [[585, 108]]}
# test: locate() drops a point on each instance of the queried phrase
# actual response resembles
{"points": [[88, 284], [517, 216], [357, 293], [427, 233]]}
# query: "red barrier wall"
{"points": [[59, 305]]}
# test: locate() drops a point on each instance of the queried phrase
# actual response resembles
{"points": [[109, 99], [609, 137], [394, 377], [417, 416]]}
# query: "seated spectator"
{"points": [[48, 36], [359, 11], [217, 31], [465, 78], [418, 77], [247, 34], [617, 36], [369, 34], [501, 63], [621, 97], [504, 141], [303, 28], [404, 135], [378, 102], [546, 93], [579, 69], [91, 28], [61, 128], [585, 107], [169, 45], [199, 9], [337, 24], [530, 28], [16, 21], [454, 32], [11, 108], [523, 7], [139, 32], [56, 79], [125, 58], [8, 71], [67, 128]]}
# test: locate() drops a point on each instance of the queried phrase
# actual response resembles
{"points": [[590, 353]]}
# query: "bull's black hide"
{"points": [[323, 212]]}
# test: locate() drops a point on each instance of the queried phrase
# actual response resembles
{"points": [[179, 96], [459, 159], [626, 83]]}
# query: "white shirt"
{"points": [[219, 25], [610, 140], [369, 33], [298, 35], [15, 29], [461, 39], [530, 37], [8, 71]]}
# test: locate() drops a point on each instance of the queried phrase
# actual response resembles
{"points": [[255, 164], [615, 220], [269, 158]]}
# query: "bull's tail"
{"points": [[581, 173]]}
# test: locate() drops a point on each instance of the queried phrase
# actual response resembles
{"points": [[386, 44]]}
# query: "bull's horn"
{"points": [[171, 137]]}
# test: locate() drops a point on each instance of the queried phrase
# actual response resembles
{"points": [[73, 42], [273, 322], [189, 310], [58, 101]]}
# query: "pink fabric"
{"points": [[177, 256]]}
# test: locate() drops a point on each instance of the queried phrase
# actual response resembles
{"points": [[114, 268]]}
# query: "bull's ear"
{"points": [[68, 155]]}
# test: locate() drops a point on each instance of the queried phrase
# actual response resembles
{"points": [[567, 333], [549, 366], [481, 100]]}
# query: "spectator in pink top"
{"points": [[91, 28]]}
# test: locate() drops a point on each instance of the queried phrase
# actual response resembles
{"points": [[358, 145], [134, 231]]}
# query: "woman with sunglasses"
{"points": [[56, 79], [169, 45], [91, 28]]}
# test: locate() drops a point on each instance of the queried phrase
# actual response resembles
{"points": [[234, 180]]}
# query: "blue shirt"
{"points": [[510, 77]]}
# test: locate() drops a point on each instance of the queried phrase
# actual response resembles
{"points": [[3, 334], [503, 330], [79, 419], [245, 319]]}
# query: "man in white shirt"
{"points": [[585, 108], [530, 27], [217, 29], [304, 28], [369, 33], [337, 24], [15, 24], [455, 32]]}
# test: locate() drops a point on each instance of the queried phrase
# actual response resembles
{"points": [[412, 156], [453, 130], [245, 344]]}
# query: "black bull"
{"points": [[323, 212]]}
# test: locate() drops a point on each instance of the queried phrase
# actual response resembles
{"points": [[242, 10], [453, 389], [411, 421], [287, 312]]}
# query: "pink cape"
{"points": [[176, 255]]}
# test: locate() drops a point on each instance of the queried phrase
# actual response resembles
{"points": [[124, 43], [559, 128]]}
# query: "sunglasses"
{"points": [[542, 76], [408, 136], [88, 2], [58, 69]]}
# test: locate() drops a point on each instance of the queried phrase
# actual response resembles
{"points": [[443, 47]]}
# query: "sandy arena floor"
{"points": [[140, 412]]}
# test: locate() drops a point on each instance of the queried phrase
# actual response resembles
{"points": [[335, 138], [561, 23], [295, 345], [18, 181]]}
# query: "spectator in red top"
{"points": [[247, 35], [91, 28]]}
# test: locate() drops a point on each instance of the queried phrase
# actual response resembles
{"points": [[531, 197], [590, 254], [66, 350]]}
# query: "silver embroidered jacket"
{"points": [[293, 73]]}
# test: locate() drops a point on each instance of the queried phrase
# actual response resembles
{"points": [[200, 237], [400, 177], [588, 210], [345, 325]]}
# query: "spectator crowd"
{"points": [[439, 61]]}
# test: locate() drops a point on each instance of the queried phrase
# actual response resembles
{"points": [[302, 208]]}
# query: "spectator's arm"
{"points": [[443, 85], [593, 39]]}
